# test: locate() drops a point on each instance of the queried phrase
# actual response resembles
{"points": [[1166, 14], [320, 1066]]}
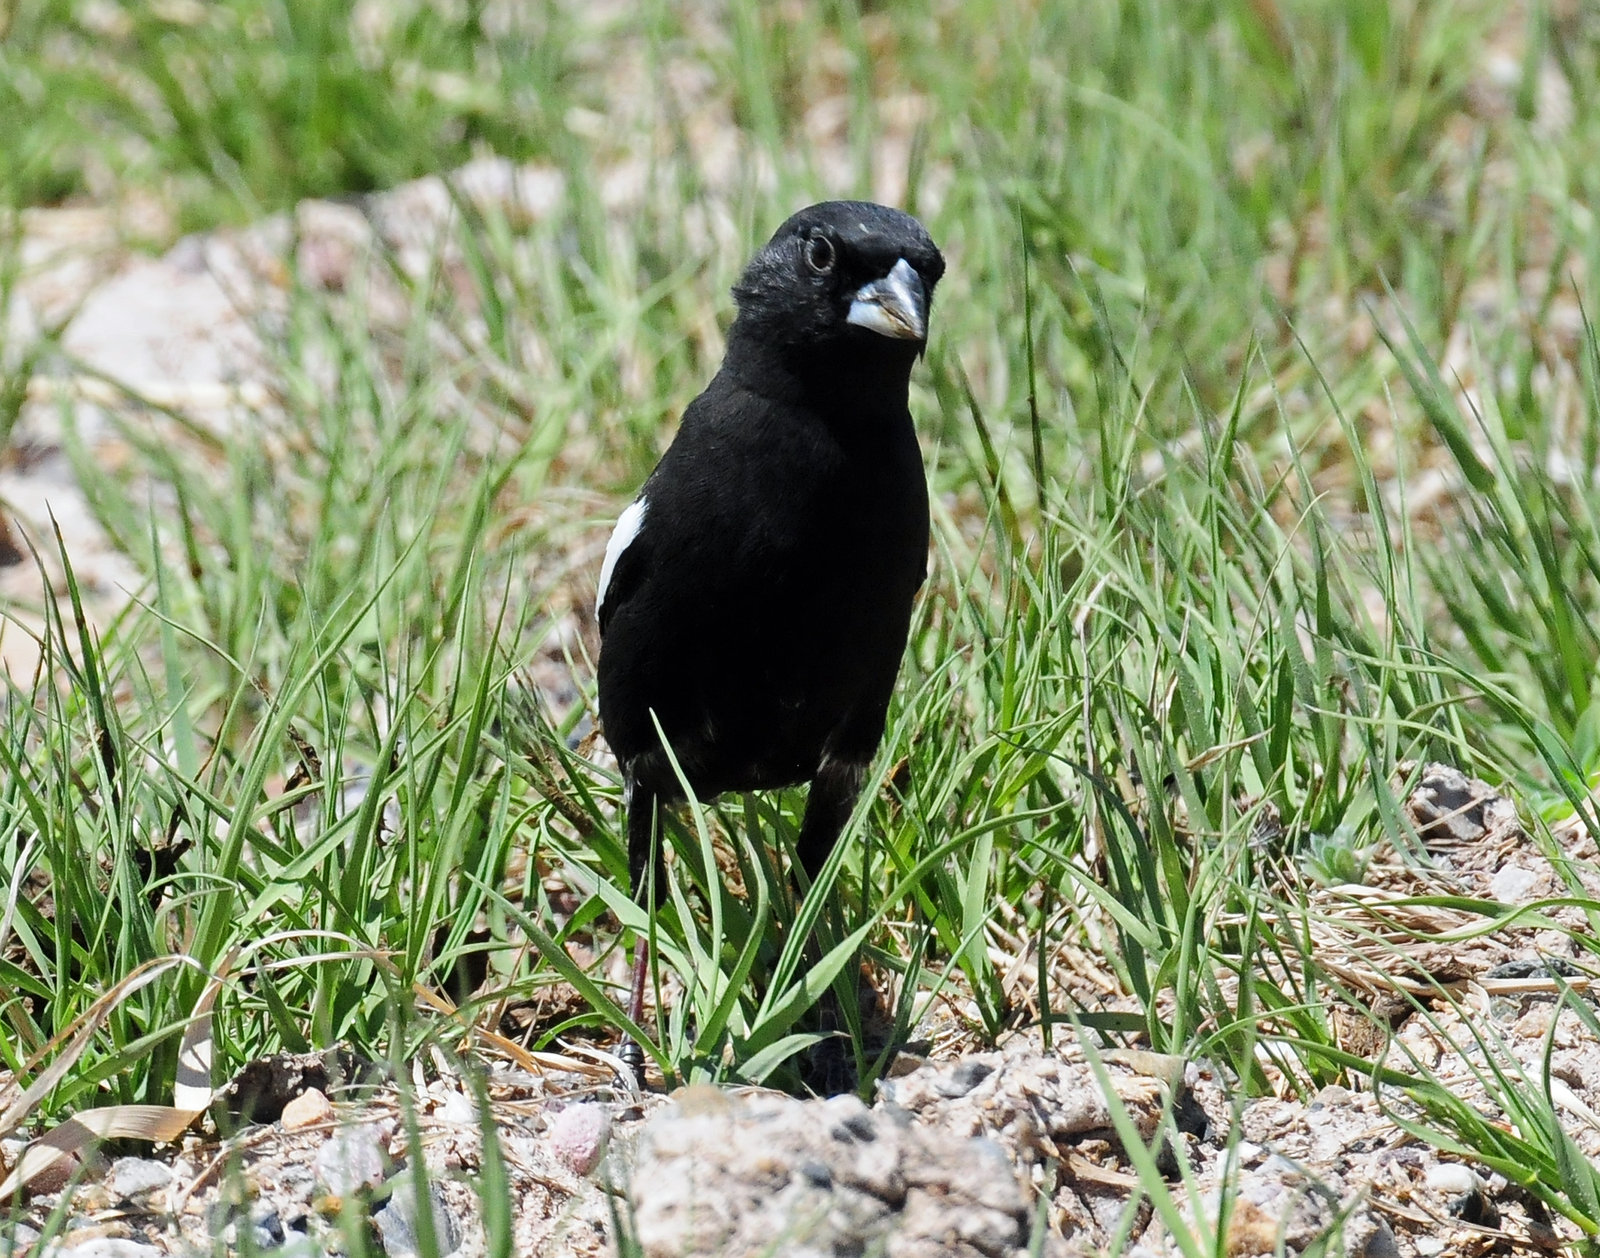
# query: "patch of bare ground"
{"points": [[966, 1152]]}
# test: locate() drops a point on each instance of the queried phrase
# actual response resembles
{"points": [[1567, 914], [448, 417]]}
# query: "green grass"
{"points": [[248, 106], [1232, 286]]}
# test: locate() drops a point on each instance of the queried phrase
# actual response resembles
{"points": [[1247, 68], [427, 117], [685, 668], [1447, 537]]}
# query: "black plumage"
{"points": [[757, 595]]}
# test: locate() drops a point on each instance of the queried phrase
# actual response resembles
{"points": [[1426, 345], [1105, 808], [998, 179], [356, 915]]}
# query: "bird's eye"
{"points": [[820, 255]]}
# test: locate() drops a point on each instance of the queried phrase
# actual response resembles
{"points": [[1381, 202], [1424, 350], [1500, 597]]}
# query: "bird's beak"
{"points": [[895, 306]]}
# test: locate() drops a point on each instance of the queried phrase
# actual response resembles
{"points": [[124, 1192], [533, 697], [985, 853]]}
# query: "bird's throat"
{"points": [[859, 374]]}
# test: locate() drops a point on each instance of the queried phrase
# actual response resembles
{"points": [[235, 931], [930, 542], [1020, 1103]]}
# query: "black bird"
{"points": [[756, 596]]}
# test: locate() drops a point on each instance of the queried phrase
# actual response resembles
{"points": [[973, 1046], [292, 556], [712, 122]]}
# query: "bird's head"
{"points": [[846, 274]]}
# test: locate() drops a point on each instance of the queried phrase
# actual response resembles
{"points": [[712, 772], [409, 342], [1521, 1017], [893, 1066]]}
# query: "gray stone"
{"points": [[823, 1179], [397, 1220], [963, 1077], [1449, 807], [107, 1247], [134, 1177], [1368, 1236], [268, 1228], [353, 1158], [17, 1238]]}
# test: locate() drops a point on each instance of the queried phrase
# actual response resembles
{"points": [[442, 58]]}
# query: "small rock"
{"points": [[1536, 1022], [397, 1220], [963, 1077], [1451, 1179], [1462, 1185], [1449, 807], [458, 1108], [268, 1228], [1513, 884], [310, 1109], [259, 1092], [107, 1247], [134, 1177], [1533, 967], [1368, 1236], [578, 1136], [854, 1122], [1335, 1095], [1288, 1207], [767, 1174], [352, 1159]]}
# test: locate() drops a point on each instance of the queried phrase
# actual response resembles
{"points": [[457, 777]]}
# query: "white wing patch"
{"points": [[628, 525]]}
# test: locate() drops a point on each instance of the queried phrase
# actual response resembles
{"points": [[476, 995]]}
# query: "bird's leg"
{"points": [[644, 828], [833, 795], [631, 1052]]}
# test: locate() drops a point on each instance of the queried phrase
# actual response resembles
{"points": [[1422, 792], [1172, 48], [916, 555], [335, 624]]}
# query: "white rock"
{"points": [[352, 1159], [457, 1108], [107, 1247], [1512, 884], [1452, 1179], [133, 1177]]}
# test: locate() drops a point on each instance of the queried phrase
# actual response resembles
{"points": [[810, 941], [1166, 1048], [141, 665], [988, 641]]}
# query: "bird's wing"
{"points": [[682, 500], [623, 564]]}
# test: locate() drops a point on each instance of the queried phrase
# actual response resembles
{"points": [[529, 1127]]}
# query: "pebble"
{"points": [[1513, 884], [1452, 1179], [578, 1135], [134, 1177], [962, 1078], [1335, 1095], [352, 1159], [1378, 1242], [458, 1108], [107, 1247], [397, 1220], [268, 1229], [310, 1109]]}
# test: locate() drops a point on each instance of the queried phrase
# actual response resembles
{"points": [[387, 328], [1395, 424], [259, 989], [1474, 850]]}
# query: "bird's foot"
{"points": [[630, 1052], [631, 1055]]}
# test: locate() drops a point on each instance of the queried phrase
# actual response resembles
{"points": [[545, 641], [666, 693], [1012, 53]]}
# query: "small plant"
{"points": [[1336, 859]]}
